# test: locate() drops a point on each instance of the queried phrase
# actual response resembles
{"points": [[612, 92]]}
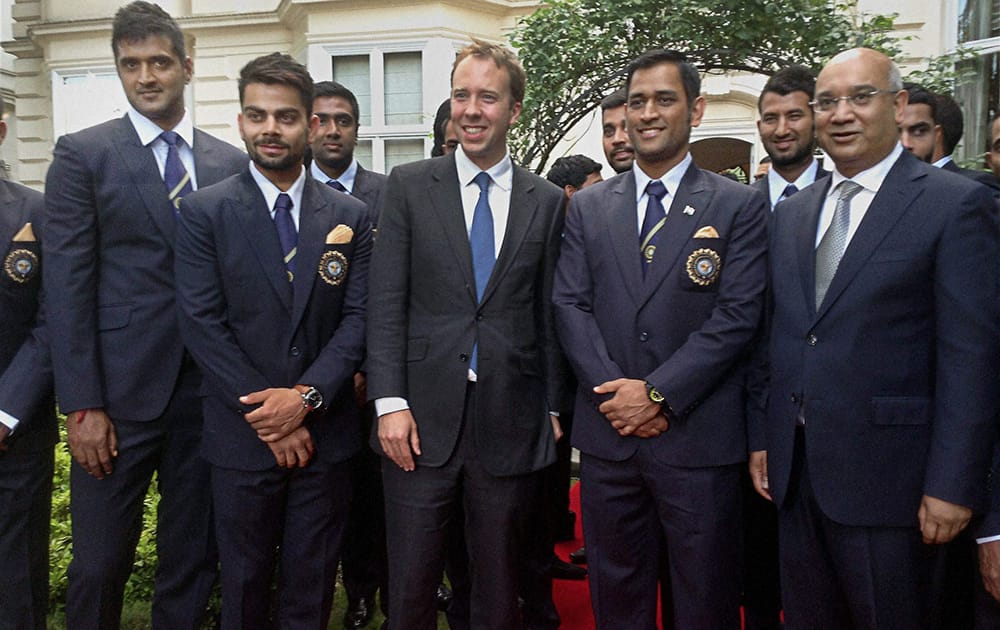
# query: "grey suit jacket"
{"points": [[424, 318], [369, 187]]}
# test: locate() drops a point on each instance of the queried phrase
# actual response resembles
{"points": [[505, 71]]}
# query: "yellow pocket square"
{"points": [[25, 235], [339, 235], [707, 232]]}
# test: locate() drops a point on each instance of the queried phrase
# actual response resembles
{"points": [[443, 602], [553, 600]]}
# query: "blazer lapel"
{"points": [[892, 200], [806, 224], [623, 231], [446, 203], [11, 218], [255, 220], [208, 169], [146, 179], [523, 207], [691, 201], [312, 237]]}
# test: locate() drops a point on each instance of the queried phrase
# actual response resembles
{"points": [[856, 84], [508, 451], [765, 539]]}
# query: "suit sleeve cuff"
{"points": [[987, 539], [8, 420], [390, 405]]}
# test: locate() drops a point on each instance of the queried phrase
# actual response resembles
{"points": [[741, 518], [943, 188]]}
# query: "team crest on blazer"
{"points": [[21, 265], [333, 268], [704, 266]]}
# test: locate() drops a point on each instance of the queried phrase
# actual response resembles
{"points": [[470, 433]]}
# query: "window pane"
{"points": [[403, 93], [978, 19], [402, 151], [351, 71], [363, 153]]}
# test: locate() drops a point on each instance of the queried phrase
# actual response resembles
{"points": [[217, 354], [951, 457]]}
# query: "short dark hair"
{"points": [[572, 170], [651, 58], [793, 78], [949, 117], [136, 21], [440, 122], [332, 89], [503, 58], [614, 100], [279, 69], [921, 96]]}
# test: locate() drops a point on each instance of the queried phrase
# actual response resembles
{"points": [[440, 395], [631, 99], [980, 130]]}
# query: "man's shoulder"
{"points": [[204, 141], [99, 135], [233, 187], [525, 178], [370, 177], [16, 192]]}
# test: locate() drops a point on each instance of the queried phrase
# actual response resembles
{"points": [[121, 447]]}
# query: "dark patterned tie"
{"points": [[788, 192], [481, 238], [175, 176], [334, 184], [831, 247], [286, 231], [655, 217]]}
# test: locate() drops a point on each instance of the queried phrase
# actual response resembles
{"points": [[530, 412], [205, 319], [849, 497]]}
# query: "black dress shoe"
{"points": [[565, 571], [359, 612], [579, 556], [443, 597]]}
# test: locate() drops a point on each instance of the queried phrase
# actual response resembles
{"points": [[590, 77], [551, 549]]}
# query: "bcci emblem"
{"points": [[21, 265], [333, 268], [704, 266]]}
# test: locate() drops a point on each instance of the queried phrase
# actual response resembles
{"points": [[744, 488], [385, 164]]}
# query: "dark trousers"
{"points": [[761, 584], [292, 520], [420, 507], [107, 521], [632, 510], [25, 513], [364, 559], [842, 577]]}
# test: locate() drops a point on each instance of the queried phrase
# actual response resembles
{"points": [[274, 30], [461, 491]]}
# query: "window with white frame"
{"points": [[979, 28]]}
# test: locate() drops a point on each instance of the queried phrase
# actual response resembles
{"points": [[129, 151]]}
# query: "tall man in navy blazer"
{"points": [[28, 428], [464, 370], [657, 328], [272, 298], [123, 378], [880, 417]]}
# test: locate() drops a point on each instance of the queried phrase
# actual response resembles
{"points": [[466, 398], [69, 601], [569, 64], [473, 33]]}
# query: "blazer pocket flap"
{"points": [[112, 317], [416, 349], [901, 410]]}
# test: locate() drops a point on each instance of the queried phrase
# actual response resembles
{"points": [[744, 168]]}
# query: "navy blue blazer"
{"points": [[250, 329], [25, 361], [109, 248], [685, 328], [896, 371]]}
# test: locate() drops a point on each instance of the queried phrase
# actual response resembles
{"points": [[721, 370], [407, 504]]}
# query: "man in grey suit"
{"points": [[463, 362], [124, 379]]}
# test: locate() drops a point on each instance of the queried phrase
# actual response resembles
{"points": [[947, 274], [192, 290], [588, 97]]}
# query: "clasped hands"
{"points": [[278, 422], [629, 410]]}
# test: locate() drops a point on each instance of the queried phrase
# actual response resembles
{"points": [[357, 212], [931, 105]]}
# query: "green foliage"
{"points": [[575, 51], [946, 73]]}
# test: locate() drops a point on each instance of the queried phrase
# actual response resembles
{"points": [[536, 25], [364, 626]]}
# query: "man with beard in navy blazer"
{"points": [[123, 378], [659, 292], [272, 281], [28, 428], [884, 352]]}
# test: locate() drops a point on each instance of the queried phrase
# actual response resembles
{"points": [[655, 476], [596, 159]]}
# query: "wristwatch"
{"points": [[311, 398], [654, 394]]}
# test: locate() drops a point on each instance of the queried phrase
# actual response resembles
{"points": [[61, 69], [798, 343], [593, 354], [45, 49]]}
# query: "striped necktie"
{"points": [[175, 176], [286, 231]]}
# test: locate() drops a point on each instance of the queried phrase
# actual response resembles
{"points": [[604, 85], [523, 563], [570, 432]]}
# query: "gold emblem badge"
{"points": [[704, 266], [333, 268], [21, 265], [648, 252]]}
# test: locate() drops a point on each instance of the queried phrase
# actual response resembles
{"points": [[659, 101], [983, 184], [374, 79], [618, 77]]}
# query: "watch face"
{"points": [[313, 398]]}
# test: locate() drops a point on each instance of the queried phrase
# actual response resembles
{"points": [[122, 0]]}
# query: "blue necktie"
{"points": [[652, 222], [483, 249], [286, 231], [334, 184], [789, 190], [175, 176]]}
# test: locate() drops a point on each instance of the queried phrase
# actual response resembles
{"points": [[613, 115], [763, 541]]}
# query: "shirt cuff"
{"points": [[8, 420], [390, 405], [987, 539]]}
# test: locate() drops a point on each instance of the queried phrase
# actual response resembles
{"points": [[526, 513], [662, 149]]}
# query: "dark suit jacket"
{"points": [[984, 178], [369, 187], [896, 372], [424, 318], [250, 329], [109, 268], [689, 340], [25, 362]]}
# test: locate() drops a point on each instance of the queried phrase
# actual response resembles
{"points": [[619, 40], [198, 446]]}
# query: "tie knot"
{"points": [[789, 191], [284, 202], [170, 137], [656, 189], [334, 184], [483, 181], [848, 189]]}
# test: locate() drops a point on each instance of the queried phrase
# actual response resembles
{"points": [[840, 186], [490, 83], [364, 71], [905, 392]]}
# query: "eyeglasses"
{"points": [[861, 99]]}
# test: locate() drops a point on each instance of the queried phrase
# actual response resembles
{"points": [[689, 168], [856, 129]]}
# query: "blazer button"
{"points": [[295, 351], [463, 357], [479, 317], [643, 336], [795, 398], [811, 340]]}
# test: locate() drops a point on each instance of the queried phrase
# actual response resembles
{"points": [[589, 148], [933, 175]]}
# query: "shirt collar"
{"points": [[870, 179], [672, 178], [346, 178], [776, 183], [940, 163], [502, 173], [149, 131], [271, 192]]}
